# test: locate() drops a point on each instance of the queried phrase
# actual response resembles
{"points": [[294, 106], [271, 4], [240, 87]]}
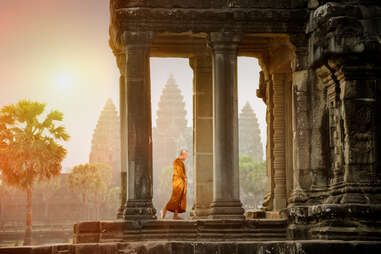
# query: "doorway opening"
{"points": [[252, 135], [172, 125]]}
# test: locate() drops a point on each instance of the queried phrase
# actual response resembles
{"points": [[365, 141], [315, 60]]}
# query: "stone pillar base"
{"points": [[139, 210], [226, 210], [297, 197], [200, 213], [120, 213], [261, 214]]}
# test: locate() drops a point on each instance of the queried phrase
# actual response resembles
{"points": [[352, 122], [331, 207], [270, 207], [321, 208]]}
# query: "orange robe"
{"points": [[178, 201]]}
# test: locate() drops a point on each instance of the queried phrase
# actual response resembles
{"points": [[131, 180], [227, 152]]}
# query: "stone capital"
{"points": [[137, 39], [200, 62], [121, 62], [299, 60], [224, 41]]}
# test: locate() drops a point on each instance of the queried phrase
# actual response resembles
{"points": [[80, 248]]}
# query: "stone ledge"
{"points": [[238, 247], [335, 221], [209, 4], [197, 230]]}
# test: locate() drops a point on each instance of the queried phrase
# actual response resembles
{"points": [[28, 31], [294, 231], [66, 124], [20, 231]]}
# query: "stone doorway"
{"points": [[252, 134], [213, 59], [172, 121]]}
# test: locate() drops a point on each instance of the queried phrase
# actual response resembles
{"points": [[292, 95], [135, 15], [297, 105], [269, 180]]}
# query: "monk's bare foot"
{"points": [[176, 217], [162, 215]]}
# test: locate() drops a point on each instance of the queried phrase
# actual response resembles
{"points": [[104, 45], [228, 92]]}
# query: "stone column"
{"points": [[137, 117], [265, 92], [280, 193], [226, 202], [300, 128], [300, 119], [121, 61], [354, 132], [202, 135]]}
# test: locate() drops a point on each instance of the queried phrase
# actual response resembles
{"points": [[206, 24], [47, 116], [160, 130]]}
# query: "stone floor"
{"points": [[177, 247], [187, 230]]}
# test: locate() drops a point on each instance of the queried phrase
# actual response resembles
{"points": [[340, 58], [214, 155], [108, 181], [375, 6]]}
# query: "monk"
{"points": [[178, 203]]}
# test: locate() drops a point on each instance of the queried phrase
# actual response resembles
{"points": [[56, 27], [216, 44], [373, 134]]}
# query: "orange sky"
{"points": [[56, 51]]}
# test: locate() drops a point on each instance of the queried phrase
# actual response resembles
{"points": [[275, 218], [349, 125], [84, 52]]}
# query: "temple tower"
{"points": [[249, 134], [170, 133], [105, 145], [169, 136]]}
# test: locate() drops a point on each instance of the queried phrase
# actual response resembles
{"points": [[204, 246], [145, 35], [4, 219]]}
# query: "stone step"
{"points": [[205, 247], [189, 231]]}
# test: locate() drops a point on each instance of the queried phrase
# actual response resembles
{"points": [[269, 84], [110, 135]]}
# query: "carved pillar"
{"points": [[121, 61], [279, 156], [300, 118], [137, 110], [351, 99], [265, 92], [226, 202], [202, 135], [301, 134], [357, 121]]}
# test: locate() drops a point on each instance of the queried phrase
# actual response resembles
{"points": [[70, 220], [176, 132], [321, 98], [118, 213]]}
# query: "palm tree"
{"points": [[30, 149]]}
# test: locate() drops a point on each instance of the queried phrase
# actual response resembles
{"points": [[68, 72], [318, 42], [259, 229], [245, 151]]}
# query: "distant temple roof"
{"points": [[171, 112], [249, 133]]}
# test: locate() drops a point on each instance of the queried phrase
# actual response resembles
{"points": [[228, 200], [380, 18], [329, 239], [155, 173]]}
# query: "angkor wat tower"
{"points": [[249, 134], [171, 126], [105, 145]]}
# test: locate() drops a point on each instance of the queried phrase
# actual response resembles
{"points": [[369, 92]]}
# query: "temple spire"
{"points": [[249, 133], [105, 144], [171, 112]]}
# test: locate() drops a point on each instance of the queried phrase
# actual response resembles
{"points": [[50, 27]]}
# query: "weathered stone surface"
{"points": [[193, 230], [203, 134], [209, 4], [321, 83], [164, 247]]}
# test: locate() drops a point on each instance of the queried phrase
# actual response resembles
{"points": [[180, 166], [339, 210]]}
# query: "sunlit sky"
{"points": [[57, 52]]}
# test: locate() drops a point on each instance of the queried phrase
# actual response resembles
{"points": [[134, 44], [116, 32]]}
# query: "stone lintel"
{"points": [[208, 4], [255, 20], [137, 38]]}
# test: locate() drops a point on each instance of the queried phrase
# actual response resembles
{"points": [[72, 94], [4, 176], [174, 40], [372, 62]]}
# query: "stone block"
{"points": [[204, 105], [204, 136], [255, 214], [88, 227], [111, 226]]}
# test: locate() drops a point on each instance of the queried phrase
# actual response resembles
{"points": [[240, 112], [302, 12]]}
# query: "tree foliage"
{"points": [[162, 188], [30, 148], [113, 199], [253, 181], [91, 181]]}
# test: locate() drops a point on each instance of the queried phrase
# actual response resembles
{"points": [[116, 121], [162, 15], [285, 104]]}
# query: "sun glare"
{"points": [[64, 81]]}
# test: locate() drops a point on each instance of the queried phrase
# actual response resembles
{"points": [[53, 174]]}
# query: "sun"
{"points": [[64, 81]]}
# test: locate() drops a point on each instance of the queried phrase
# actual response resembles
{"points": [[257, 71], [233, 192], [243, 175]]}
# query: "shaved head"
{"points": [[183, 154], [182, 151]]}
